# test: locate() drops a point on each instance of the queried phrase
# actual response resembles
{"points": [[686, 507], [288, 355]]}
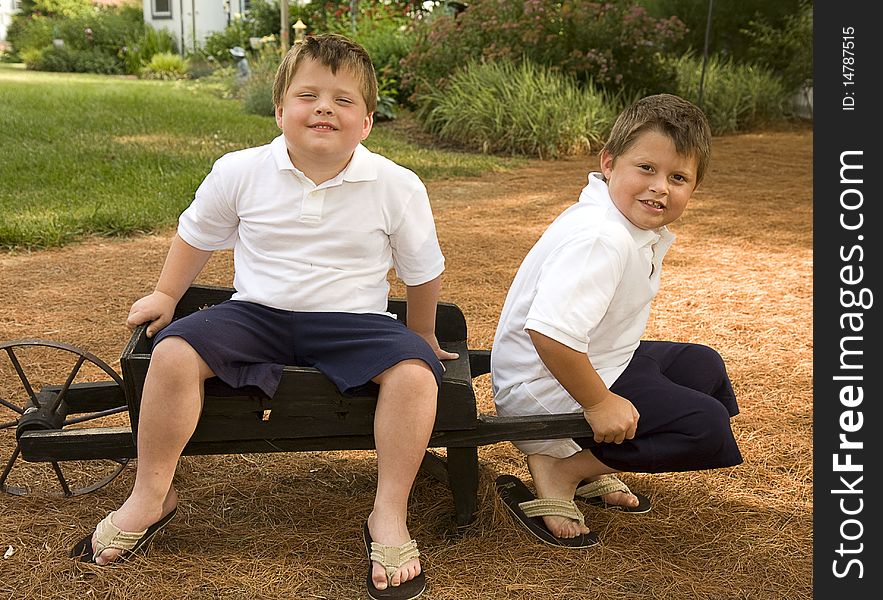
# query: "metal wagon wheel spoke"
{"points": [[21, 375], [24, 389], [95, 415]]}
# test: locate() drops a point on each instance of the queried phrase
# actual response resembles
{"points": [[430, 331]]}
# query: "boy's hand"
{"points": [[156, 308], [439, 353], [613, 419]]}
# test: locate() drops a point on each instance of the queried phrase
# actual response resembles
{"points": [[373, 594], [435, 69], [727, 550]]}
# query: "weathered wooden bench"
{"points": [[307, 413]]}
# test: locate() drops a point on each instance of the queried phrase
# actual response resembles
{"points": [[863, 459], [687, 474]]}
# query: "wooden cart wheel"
{"points": [[45, 386]]}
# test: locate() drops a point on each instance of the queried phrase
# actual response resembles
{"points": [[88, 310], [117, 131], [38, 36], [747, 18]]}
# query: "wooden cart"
{"points": [[60, 424]]}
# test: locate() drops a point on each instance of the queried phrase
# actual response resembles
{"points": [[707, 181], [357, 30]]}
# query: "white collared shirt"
{"points": [[299, 246], [588, 284]]}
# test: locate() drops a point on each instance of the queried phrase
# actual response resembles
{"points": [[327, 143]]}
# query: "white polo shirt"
{"points": [[298, 246], [587, 283]]}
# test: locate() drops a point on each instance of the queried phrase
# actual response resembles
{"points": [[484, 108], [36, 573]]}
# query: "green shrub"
{"points": [[29, 33], [217, 45], [728, 35], [787, 50], [111, 29], [94, 39], [31, 58], [257, 95], [61, 8], [256, 92], [165, 65], [526, 109], [734, 97], [615, 44], [72, 60], [387, 90], [199, 66], [139, 52]]}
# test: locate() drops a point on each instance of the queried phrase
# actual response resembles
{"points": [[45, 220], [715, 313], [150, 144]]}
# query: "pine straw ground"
{"points": [[288, 525]]}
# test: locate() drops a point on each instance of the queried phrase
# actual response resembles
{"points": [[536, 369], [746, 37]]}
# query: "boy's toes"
{"points": [[378, 576], [406, 572], [565, 528], [411, 571], [107, 556], [621, 499]]}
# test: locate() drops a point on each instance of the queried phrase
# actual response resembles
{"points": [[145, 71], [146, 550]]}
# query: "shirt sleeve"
{"points": [[211, 221], [416, 253], [574, 289]]}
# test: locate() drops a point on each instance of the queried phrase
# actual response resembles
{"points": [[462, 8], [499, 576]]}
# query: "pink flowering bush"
{"points": [[615, 44]]}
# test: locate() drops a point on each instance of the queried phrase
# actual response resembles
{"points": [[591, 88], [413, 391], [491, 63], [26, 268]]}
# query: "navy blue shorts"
{"points": [[685, 399], [247, 344]]}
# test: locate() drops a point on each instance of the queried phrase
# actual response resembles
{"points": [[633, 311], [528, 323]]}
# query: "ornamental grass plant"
{"points": [[522, 108], [735, 97]]}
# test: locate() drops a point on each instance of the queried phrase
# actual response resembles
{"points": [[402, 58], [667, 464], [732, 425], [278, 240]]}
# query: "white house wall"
{"points": [[7, 9], [191, 21]]}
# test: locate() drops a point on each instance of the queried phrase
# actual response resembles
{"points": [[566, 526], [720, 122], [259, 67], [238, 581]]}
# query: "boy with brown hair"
{"points": [[315, 221], [569, 336]]}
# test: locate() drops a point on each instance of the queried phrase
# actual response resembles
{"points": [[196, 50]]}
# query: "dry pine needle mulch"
{"points": [[262, 526]]}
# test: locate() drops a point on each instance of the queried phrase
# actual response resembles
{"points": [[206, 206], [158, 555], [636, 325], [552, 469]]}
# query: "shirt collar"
{"points": [[359, 168], [599, 194]]}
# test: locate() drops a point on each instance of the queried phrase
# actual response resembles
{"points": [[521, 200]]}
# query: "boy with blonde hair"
{"points": [[569, 336], [315, 221]]}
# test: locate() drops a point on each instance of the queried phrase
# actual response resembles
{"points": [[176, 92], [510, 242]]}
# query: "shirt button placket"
{"points": [[311, 206]]}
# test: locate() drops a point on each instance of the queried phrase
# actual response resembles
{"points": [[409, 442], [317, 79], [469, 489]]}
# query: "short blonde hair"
{"points": [[682, 121], [335, 52]]}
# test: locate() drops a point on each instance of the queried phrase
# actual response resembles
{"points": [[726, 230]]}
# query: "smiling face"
{"points": [[650, 183], [323, 117]]}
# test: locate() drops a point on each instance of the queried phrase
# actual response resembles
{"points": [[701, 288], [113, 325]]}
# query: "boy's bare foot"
{"points": [[134, 515], [391, 532], [626, 499], [552, 478]]}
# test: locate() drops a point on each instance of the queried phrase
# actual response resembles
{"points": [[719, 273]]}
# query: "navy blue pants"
{"points": [[685, 401], [247, 344]]}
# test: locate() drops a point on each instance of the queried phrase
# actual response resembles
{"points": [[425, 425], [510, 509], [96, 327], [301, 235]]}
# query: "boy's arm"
{"points": [[183, 263], [422, 302], [612, 417]]}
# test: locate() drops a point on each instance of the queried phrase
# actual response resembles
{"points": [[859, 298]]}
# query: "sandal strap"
{"points": [[108, 535], [393, 557], [604, 485], [542, 507]]}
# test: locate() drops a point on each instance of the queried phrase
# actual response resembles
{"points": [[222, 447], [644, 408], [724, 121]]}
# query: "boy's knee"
{"points": [[172, 354], [706, 356], [715, 425], [414, 372]]}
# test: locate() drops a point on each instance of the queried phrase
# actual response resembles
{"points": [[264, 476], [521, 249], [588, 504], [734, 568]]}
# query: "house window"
{"points": [[161, 9]]}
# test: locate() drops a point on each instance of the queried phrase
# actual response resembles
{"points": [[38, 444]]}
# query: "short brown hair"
{"points": [[682, 121], [335, 52]]}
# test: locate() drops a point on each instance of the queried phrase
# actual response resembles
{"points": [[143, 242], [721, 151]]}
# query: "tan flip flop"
{"points": [[592, 491], [529, 510], [109, 535], [391, 558]]}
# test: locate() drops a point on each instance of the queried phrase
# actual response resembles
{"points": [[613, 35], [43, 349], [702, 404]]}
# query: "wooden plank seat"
{"points": [[308, 413]]}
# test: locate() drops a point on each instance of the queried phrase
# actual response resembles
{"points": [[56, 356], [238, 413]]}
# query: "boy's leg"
{"points": [[695, 366], [170, 406], [681, 428], [558, 478], [353, 350], [403, 422], [241, 343]]}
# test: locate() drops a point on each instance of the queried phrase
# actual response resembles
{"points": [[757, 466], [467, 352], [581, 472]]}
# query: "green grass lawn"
{"points": [[97, 155]]}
